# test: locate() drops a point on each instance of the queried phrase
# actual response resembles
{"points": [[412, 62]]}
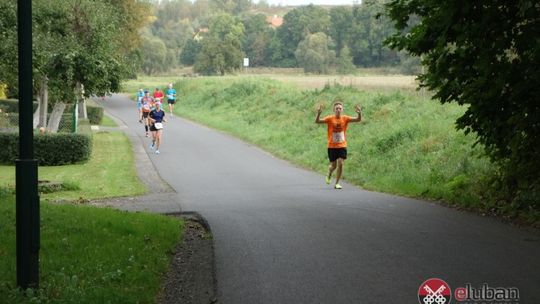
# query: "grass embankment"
{"points": [[407, 144], [89, 254]]}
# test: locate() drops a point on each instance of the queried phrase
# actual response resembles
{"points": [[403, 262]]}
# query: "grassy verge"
{"points": [[90, 255], [407, 144], [108, 122], [110, 172]]}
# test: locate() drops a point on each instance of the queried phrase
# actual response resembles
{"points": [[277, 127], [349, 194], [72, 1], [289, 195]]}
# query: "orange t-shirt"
{"points": [[337, 127]]}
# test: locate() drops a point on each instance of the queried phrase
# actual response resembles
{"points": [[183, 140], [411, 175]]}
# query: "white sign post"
{"points": [[246, 64]]}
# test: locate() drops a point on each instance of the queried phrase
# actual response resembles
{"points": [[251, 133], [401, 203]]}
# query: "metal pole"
{"points": [[26, 174]]}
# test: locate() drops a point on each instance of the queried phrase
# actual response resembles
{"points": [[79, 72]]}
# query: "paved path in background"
{"points": [[283, 236]]}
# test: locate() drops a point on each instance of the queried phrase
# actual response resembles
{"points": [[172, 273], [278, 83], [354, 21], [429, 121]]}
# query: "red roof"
{"points": [[274, 21]]}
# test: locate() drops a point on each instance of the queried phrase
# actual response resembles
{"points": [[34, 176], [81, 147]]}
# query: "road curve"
{"points": [[283, 236]]}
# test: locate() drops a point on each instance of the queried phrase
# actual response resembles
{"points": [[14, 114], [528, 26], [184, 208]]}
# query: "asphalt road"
{"points": [[283, 236]]}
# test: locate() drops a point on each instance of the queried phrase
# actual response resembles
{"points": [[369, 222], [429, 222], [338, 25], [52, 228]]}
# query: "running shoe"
{"points": [[328, 179], [146, 134], [157, 151], [337, 186], [152, 147]]}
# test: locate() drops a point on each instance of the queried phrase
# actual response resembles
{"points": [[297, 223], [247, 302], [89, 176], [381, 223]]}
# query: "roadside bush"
{"points": [[95, 115], [12, 105], [49, 149]]}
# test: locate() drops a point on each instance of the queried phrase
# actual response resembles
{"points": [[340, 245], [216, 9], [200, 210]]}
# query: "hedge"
{"points": [[12, 105], [49, 149], [95, 115]]}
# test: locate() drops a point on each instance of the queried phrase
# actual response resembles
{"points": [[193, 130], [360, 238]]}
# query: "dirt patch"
{"points": [[191, 276]]}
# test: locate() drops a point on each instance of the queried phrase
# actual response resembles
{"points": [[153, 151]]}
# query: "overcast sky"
{"points": [[306, 2]]}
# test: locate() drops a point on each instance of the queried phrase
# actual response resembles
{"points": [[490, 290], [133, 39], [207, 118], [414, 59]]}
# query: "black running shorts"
{"points": [[335, 153]]}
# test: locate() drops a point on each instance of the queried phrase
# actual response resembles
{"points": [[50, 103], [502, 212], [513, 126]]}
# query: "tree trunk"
{"points": [[43, 105], [81, 101], [56, 116], [36, 114]]}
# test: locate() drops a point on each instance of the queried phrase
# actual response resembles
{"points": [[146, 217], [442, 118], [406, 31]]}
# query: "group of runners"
{"points": [[150, 113]]}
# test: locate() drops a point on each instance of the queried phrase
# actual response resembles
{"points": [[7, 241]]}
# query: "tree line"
{"points": [[214, 36]]}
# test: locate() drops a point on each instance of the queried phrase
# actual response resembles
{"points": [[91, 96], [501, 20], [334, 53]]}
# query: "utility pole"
{"points": [[26, 173]]}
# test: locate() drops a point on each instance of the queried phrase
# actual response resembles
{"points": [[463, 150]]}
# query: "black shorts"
{"points": [[335, 153], [153, 128], [145, 114], [171, 101]]}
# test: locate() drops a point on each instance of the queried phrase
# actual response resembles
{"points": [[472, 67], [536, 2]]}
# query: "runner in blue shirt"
{"points": [[140, 95], [171, 98]]}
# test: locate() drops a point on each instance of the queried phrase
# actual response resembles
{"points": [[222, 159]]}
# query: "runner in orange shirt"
{"points": [[337, 141]]}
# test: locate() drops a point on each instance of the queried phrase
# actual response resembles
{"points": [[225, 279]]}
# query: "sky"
{"points": [[306, 2]]}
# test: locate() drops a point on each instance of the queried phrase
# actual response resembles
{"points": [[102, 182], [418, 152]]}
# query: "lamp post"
{"points": [[27, 199]]}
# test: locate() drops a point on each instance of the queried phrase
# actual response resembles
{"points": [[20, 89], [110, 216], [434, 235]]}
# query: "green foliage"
{"points": [[154, 54], [345, 63], [221, 49], [298, 24], [75, 148], [190, 51], [95, 115], [257, 40], [484, 55], [12, 105], [314, 55]]}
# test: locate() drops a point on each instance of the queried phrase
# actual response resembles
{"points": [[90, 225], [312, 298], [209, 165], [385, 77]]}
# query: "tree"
{"points": [[297, 24], [486, 55], [233, 7], [340, 26], [154, 54], [257, 39], [345, 64], [313, 54], [221, 48], [190, 52]]}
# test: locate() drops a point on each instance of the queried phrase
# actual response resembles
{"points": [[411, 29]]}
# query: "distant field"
{"points": [[381, 79], [361, 82]]}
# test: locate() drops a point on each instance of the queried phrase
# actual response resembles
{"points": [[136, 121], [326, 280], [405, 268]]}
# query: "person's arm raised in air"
{"points": [[358, 110], [318, 118]]}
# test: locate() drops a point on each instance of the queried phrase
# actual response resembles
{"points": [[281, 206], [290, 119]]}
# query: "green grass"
{"points": [[407, 144], [108, 122], [110, 172], [90, 255]]}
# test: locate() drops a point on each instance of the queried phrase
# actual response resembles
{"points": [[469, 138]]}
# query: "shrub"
{"points": [[95, 115], [74, 148], [12, 105]]}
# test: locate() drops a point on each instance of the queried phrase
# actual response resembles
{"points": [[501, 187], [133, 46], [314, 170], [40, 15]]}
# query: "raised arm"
{"points": [[318, 118], [358, 110]]}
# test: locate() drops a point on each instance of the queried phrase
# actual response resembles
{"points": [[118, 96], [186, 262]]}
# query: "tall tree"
{"points": [[257, 39], [486, 55], [297, 24], [221, 49], [340, 26], [314, 55]]}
